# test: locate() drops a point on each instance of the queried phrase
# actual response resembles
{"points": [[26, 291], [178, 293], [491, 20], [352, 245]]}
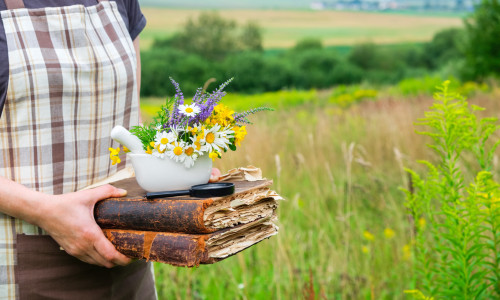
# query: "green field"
{"points": [[344, 229], [284, 28]]}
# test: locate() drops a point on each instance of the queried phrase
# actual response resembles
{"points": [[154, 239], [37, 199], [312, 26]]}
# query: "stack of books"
{"points": [[185, 231]]}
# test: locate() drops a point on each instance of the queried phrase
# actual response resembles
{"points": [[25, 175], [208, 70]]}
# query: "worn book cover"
{"points": [[190, 250], [252, 200]]}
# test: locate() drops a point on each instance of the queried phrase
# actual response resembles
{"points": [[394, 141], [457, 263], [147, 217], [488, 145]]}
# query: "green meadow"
{"points": [[356, 223], [345, 232]]}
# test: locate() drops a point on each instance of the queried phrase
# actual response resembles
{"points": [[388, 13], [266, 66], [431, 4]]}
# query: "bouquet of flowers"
{"points": [[185, 132]]}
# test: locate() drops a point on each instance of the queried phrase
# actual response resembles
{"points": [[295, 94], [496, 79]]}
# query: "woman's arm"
{"points": [[68, 218]]}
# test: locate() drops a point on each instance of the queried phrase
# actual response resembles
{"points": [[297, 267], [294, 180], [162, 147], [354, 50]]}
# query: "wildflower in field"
{"points": [[113, 155], [406, 252], [418, 295], [389, 233], [368, 236], [365, 249], [189, 110], [421, 223]]}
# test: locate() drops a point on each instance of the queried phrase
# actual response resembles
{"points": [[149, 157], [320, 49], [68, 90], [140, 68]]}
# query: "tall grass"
{"points": [[344, 229]]}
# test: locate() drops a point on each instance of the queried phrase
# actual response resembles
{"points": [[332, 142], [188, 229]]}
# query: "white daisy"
{"points": [[217, 138], [176, 152], [191, 155], [189, 110], [164, 140]]}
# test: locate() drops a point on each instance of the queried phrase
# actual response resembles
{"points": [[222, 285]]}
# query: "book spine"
{"points": [[175, 249], [159, 215]]}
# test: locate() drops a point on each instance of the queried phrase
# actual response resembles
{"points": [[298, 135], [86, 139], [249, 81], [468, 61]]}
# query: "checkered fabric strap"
{"points": [[14, 4]]}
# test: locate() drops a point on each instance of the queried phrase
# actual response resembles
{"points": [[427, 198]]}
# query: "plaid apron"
{"points": [[72, 78]]}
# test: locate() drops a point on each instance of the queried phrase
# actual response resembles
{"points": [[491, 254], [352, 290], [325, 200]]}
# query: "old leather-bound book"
{"points": [[188, 250], [252, 200]]}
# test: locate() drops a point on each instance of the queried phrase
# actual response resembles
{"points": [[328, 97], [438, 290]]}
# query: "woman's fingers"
{"points": [[107, 251], [102, 192]]}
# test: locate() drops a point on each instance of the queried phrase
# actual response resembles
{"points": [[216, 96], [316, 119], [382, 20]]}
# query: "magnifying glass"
{"points": [[217, 189]]}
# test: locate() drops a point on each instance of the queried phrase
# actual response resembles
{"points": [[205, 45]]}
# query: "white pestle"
{"points": [[127, 139]]}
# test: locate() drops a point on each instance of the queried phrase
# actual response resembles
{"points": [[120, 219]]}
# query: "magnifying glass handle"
{"points": [[167, 194]]}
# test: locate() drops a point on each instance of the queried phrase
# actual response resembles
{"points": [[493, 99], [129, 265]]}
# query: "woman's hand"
{"points": [[69, 219], [214, 177]]}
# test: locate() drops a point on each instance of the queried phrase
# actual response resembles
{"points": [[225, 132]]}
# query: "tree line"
{"points": [[214, 47]]}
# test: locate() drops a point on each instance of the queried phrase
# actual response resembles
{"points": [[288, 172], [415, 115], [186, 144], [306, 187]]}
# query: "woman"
{"points": [[69, 72]]}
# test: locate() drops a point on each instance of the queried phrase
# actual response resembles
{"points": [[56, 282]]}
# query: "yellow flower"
{"points": [[406, 252], [389, 233], [149, 151], [222, 115], [115, 160], [114, 152], [368, 236], [365, 249], [422, 223], [197, 143], [113, 155], [239, 134], [125, 149], [213, 155]]}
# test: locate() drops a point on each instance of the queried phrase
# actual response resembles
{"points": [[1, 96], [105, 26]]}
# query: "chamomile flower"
{"points": [[189, 110], [163, 140], [191, 155], [217, 138], [176, 152]]}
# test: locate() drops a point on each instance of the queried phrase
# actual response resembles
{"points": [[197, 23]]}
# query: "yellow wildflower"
{"points": [[125, 149], [239, 134], [193, 130], [222, 115], [115, 160], [389, 233], [213, 155], [421, 223], [368, 236], [113, 155], [149, 151], [114, 152], [406, 252], [365, 249], [197, 143]]}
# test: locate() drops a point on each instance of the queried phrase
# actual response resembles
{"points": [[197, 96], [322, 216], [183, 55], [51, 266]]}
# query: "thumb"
{"points": [[104, 192]]}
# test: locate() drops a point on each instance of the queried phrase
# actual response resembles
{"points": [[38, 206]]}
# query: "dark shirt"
{"points": [[129, 10]]}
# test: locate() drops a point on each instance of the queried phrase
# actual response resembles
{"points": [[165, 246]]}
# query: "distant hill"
{"points": [[291, 4]]}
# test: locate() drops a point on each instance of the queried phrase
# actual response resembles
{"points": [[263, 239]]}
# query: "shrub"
{"points": [[314, 68], [308, 44], [213, 37], [483, 42], [456, 254], [445, 46], [159, 64]]}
